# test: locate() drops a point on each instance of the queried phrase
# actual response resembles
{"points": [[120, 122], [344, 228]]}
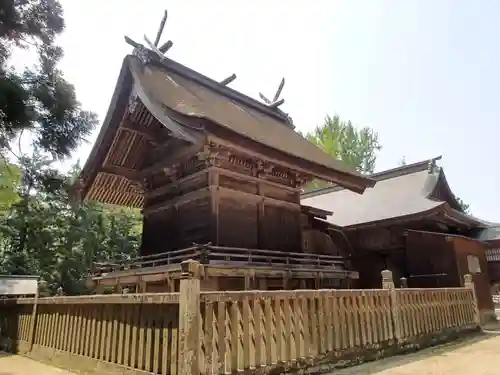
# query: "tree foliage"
{"points": [[465, 207], [45, 234], [41, 231], [38, 100], [10, 178], [357, 148]]}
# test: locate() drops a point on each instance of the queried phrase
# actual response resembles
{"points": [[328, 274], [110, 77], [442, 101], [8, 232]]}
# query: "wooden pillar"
{"points": [[118, 288], [189, 317], [286, 280], [317, 281], [142, 287], [469, 283], [388, 283], [169, 282], [404, 282], [99, 289], [33, 321], [247, 282]]}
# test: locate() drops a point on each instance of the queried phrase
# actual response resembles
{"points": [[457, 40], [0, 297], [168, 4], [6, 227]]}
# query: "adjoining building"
{"points": [[411, 223]]}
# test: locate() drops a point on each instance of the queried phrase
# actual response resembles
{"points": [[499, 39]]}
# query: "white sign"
{"points": [[20, 285]]}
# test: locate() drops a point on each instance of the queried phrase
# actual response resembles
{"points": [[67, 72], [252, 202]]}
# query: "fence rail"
{"points": [[211, 333]]}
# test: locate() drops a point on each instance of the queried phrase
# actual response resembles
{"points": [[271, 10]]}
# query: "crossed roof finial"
{"points": [[160, 51], [276, 102]]}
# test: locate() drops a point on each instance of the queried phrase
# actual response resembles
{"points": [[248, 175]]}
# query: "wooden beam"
{"points": [[240, 195], [156, 154], [178, 201], [257, 180], [138, 129], [171, 158], [172, 186], [223, 137], [130, 174]]}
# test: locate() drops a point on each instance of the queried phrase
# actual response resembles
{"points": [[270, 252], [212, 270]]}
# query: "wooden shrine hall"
{"points": [[411, 223], [217, 175]]}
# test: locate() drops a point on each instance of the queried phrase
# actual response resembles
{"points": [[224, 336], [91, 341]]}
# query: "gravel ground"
{"points": [[478, 355], [17, 365]]}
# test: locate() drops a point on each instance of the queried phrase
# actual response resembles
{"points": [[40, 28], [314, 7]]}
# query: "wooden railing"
{"points": [[193, 332], [208, 254]]}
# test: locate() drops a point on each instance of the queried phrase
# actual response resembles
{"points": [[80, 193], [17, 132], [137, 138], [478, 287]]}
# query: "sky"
{"points": [[423, 74]]}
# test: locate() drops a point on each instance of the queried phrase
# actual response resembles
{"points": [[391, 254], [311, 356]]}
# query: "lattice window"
{"points": [[493, 255]]}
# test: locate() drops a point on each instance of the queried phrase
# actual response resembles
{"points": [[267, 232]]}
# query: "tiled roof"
{"points": [[394, 195], [399, 192]]}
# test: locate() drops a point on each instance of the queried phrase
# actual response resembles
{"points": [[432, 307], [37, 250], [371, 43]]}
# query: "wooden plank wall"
{"points": [[465, 247], [225, 208], [256, 213], [431, 254]]}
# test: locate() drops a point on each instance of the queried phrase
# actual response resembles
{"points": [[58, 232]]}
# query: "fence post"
{"points": [[189, 317], [31, 339], [469, 284], [404, 282], [388, 283]]}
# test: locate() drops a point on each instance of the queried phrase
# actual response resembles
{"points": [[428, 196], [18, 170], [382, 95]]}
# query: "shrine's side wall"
{"points": [[465, 248], [225, 202], [178, 214], [252, 213], [430, 260]]}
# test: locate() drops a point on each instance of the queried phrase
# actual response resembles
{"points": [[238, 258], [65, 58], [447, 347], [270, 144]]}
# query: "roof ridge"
{"points": [[229, 92], [379, 176]]}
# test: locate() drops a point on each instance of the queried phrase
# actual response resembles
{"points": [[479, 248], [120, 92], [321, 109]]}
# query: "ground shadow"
{"points": [[375, 367]]}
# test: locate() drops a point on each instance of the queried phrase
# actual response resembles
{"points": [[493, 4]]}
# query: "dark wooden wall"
{"points": [[178, 213], [464, 247], [494, 272], [369, 264], [430, 254], [255, 214], [224, 207]]}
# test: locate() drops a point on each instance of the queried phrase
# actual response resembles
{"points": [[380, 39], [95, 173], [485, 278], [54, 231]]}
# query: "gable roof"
{"points": [[400, 192], [180, 99], [192, 94], [489, 234]]}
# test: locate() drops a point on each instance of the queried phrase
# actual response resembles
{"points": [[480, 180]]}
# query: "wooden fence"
{"points": [[193, 332]]}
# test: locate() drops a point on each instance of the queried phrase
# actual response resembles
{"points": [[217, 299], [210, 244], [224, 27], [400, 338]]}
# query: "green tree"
{"points": [[38, 100], [45, 234], [10, 178], [465, 207], [355, 147]]}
